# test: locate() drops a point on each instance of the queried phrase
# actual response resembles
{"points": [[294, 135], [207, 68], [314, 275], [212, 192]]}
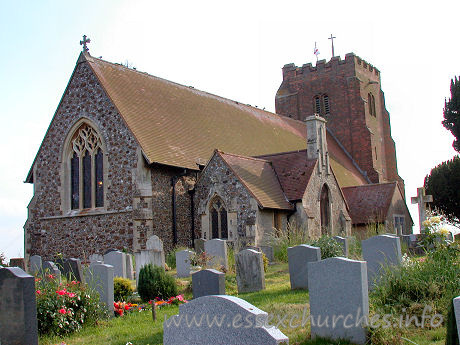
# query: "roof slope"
{"points": [[259, 177], [369, 203]]}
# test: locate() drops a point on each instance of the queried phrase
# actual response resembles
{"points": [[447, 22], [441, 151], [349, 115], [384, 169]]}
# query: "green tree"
{"points": [[443, 183], [452, 113]]}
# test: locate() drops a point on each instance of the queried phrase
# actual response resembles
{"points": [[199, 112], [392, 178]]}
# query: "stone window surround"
{"points": [[330, 209], [399, 231], [212, 204], [206, 220], [65, 170]]}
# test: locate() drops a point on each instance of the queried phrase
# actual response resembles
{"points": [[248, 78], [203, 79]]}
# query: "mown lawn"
{"points": [[278, 300]]}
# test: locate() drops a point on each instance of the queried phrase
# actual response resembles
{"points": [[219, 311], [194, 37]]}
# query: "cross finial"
{"points": [[421, 199], [84, 42], [332, 41]]}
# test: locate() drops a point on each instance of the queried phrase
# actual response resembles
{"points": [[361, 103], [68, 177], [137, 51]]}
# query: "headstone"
{"points": [[338, 290], [18, 262], [154, 243], [250, 276], [243, 324], [199, 245], [154, 254], [35, 263], [110, 250], [183, 263], [298, 258], [50, 267], [269, 253], [18, 308], [96, 258], [217, 250], [129, 266], [118, 261], [100, 278], [343, 241], [457, 314], [379, 251], [208, 282], [70, 268], [421, 199]]}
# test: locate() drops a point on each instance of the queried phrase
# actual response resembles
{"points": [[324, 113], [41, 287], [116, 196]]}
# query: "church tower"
{"points": [[347, 93]]}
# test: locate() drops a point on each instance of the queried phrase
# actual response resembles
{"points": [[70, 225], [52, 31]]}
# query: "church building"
{"points": [[128, 155]]}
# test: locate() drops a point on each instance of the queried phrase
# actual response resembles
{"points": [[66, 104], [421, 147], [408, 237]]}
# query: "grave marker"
{"points": [[208, 282], [183, 263], [100, 278], [343, 241], [217, 250], [250, 276], [298, 258], [116, 259]]}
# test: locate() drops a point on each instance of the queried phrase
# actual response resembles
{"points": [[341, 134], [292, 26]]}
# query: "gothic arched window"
{"points": [[321, 105], [86, 169], [219, 228], [371, 104], [325, 210]]}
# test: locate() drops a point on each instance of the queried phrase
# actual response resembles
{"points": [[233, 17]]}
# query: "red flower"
{"points": [[126, 307], [61, 292], [120, 312], [38, 292], [62, 311], [50, 276]]}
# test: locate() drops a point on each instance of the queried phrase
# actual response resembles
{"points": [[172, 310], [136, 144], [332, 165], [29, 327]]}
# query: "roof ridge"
{"points": [[241, 156], [281, 153]]}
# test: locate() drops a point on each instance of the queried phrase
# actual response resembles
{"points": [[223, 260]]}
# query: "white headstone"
{"points": [[129, 266], [217, 250], [116, 259], [183, 263], [96, 258]]}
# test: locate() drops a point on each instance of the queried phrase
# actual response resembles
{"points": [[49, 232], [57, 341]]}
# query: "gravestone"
{"points": [[217, 250], [343, 241], [243, 324], [18, 308], [421, 199], [129, 266], [338, 290], [250, 276], [268, 251], [183, 263], [298, 258], [35, 264], [379, 251], [199, 245], [70, 268], [116, 259], [456, 302], [50, 267], [96, 258], [100, 278], [208, 282], [18, 262], [154, 254]]}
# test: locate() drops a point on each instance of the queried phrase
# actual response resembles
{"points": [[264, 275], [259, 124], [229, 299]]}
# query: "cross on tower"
{"points": [[421, 199], [332, 41], [84, 42]]}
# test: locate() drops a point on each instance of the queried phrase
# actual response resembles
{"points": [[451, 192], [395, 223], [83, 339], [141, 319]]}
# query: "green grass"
{"points": [[276, 299]]}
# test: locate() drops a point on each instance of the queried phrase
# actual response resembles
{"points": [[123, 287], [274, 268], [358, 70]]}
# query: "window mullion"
{"points": [[80, 182], [93, 181]]}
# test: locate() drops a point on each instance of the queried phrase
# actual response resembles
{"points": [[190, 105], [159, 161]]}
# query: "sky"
{"points": [[234, 49]]}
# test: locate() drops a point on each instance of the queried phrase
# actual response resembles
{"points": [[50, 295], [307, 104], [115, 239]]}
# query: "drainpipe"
{"points": [[192, 212], [174, 180]]}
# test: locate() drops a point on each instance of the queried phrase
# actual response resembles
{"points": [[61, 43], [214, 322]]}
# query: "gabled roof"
{"points": [[369, 203], [259, 177]]}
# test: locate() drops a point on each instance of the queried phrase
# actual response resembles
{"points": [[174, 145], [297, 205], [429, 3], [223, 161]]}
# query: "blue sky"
{"points": [[234, 49]]}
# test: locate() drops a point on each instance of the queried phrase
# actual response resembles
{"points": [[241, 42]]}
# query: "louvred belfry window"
{"points": [[321, 105], [87, 169]]}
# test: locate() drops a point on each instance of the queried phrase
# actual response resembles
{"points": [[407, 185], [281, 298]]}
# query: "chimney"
{"points": [[316, 141]]}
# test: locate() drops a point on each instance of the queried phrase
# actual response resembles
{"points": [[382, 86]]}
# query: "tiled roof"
{"points": [[259, 177], [293, 170], [369, 203]]}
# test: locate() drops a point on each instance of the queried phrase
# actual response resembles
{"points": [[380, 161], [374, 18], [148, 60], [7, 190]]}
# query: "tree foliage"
{"points": [[443, 183], [452, 113]]}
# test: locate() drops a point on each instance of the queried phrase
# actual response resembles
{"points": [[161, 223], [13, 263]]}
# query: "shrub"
{"points": [[155, 283], [122, 289], [264, 257], [330, 248], [65, 308]]}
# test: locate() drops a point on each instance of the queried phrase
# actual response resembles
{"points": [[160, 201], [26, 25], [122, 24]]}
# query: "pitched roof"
{"points": [[293, 170], [369, 203], [259, 177]]}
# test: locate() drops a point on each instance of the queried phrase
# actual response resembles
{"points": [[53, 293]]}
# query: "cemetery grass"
{"points": [[278, 300]]}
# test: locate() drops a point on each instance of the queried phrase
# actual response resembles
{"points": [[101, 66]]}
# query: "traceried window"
{"points": [[86, 169], [321, 105], [219, 228]]}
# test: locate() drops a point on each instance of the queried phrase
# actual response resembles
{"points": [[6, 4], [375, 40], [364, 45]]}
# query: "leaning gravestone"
{"points": [[129, 266], [183, 263], [217, 250], [18, 262], [268, 251], [343, 241], [199, 245], [380, 251], [18, 308], [457, 314], [250, 276], [208, 282], [100, 278], [35, 263], [298, 258], [116, 259], [338, 287], [70, 268], [243, 324], [50, 267]]}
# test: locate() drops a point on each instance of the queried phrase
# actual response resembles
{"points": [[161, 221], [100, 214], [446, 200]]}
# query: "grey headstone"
{"points": [[457, 314], [129, 266], [96, 258], [379, 251], [116, 259], [50, 267], [237, 313], [208, 282], [338, 287], [183, 263], [18, 262], [343, 241], [18, 308], [299, 257], [35, 264], [70, 268], [199, 245], [250, 276], [154, 243], [269, 253], [217, 250], [407, 240], [100, 278]]}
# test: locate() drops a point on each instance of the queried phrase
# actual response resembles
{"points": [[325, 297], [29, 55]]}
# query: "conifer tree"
{"points": [[452, 113]]}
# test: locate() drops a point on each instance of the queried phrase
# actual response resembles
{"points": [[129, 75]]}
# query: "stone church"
{"points": [[128, 155]]}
